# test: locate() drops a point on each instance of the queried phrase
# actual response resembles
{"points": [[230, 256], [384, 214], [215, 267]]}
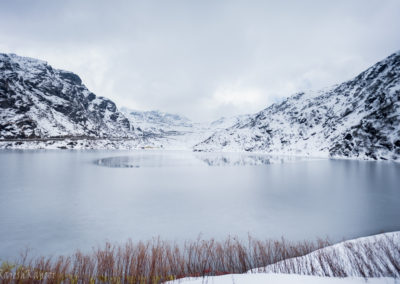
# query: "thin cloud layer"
{"points": [[203, 59]]}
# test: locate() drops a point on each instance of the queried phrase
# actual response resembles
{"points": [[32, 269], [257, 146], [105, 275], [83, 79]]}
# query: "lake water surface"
{"points": [[57, 201]]}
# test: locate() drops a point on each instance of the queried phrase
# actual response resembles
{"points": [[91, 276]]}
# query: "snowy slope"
{"points": [[43, 107], [165, 130], [359, 118], [173, 131], [37, 101], [226, 122], [157, 121], [373, 259], [373, 256]]}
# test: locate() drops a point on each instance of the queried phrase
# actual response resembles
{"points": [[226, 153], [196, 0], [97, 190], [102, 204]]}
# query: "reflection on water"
{"points": [[233, 159], [138, 160], [148, 159], [57, 201], [120, 162]]}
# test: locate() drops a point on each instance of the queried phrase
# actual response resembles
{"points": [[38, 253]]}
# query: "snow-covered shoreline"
{"points": [[71, 144], [372, 259], [122, 145]]}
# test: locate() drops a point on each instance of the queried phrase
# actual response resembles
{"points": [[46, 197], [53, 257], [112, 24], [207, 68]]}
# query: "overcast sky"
{"points": [[203, 59]]}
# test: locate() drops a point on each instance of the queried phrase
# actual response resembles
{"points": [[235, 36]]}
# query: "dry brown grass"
{"points": [[154, 261]]}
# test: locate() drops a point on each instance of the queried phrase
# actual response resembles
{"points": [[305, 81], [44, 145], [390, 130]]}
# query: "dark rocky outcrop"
{"points": [[38, 101]]}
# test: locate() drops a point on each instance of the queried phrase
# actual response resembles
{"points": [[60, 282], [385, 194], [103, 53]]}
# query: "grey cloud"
{"points": [[203, 59]]}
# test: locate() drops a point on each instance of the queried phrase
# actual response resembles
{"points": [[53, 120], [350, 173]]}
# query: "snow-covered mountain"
{"points": [[226, 122], [173, 131], [43, 107], [157, 121], [164, 130], [38, 101], [359, 118]]}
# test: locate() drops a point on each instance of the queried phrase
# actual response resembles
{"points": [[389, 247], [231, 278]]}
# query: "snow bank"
{"points": [[373, 259], [259, 278], [374, 256]]}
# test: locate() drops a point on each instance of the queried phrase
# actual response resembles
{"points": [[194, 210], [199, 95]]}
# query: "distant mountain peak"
{"points": [[157, 118]]}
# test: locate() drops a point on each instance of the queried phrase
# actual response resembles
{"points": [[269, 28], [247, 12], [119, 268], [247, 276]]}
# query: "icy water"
{"points": [[57, 201]]}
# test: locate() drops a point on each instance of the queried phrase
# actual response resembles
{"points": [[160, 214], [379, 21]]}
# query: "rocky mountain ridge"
{"points": [[359, 118], [157, 122], [38, 101], [173, 131]]}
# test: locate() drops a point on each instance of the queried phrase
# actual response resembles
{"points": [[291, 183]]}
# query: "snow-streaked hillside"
{"points": [[38, 101], [373, 256], [359, 118], [43, 107], [157, 121], [226, 122], [373, 259], [173, 131]]}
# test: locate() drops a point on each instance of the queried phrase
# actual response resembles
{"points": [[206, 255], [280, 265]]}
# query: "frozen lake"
{"points": [[57, 201]]}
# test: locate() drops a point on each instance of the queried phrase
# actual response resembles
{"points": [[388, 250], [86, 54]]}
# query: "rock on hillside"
{"points": [[359, 118]]}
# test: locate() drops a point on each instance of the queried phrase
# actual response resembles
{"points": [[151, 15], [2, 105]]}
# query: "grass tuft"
{"points": [[156, 261]]}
